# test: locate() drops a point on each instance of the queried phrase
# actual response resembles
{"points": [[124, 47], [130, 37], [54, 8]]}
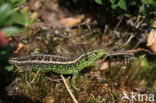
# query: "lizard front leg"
{"points": [[73, 81]]}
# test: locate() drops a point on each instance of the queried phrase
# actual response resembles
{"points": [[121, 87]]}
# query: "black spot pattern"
{"points": [[33, 57], [47, 58], [40, 58]]}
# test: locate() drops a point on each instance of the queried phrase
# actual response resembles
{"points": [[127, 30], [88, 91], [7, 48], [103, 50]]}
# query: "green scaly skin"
{"points": [[62, 65]]}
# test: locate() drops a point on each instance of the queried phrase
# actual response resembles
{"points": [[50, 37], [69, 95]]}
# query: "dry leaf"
{"points": [[19, 47], [104, 66], [69, 22], [37, 5], [151, 40]]}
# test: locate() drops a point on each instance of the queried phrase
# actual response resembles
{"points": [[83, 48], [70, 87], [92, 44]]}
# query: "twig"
{"points": [[69, 91], [129, 39], [106, 29], [128, 52], [34, 78], [93, 75], [118, 24], [53, 80]]}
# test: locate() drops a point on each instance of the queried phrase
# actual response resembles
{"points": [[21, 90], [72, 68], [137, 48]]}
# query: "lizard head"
{"points": [[94, 55], [91, 57]]}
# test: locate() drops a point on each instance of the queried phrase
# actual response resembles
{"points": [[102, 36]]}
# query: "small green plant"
{"points": [[12, 21], [13, 3], [7, 18], [124, 4], [11, 17], [5, 54], [141, 10], [114, 3]]}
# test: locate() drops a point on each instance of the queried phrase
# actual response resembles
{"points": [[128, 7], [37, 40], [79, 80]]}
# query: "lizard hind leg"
{"points": [[73, 81]]}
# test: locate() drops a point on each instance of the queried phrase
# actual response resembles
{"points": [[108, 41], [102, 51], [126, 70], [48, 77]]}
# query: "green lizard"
{"points": [[58, 64]]}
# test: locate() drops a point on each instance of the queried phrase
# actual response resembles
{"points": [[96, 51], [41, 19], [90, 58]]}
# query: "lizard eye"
{"points": [[95, 53], [86, 59]]}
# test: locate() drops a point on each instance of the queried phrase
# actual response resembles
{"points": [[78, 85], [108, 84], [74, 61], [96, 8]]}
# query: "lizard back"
{"points": [[58, 64]]}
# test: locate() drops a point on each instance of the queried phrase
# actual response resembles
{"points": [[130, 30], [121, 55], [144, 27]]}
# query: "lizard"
{"points": [[58, 64]]}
